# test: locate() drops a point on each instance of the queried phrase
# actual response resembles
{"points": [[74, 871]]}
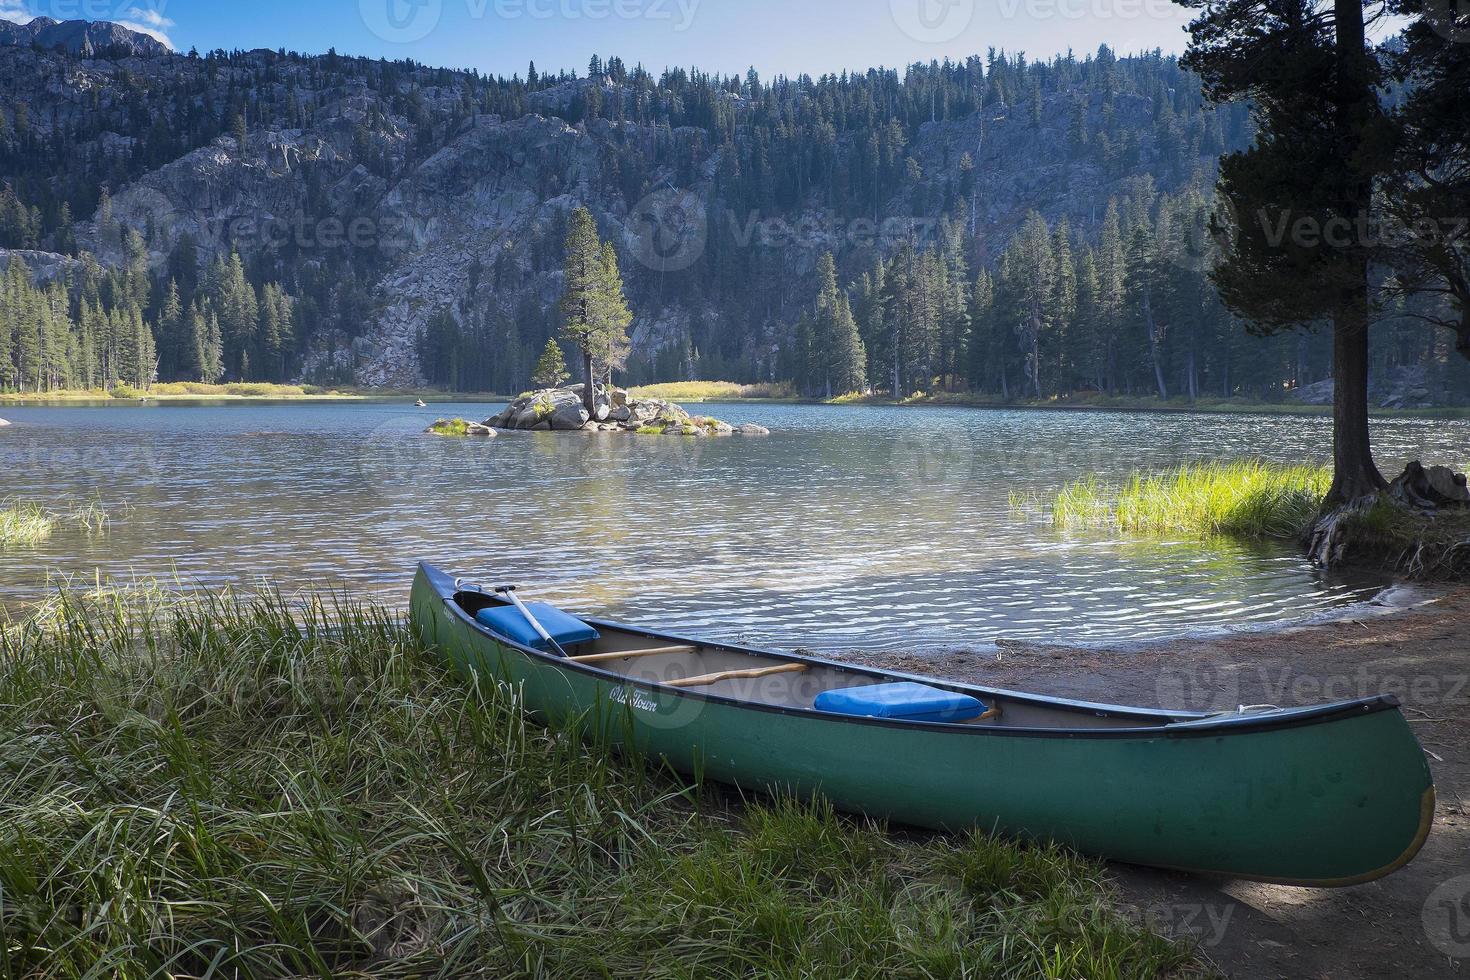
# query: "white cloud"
{"points": [[15, 11], [153, 18], [145, 21]]}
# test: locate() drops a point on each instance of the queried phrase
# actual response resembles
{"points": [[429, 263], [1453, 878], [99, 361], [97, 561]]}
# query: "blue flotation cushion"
{"points": [[903, 699], [564, 627]]}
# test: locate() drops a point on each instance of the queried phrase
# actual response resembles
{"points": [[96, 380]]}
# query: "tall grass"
{"points": [[698, 391], [254, 787], [1246, 498], [27, 522]]}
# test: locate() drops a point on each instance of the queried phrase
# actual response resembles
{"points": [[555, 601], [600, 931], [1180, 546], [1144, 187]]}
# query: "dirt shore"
{"points": [[1415, 645]]}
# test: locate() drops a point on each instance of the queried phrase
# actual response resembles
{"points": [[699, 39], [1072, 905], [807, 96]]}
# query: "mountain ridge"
{"points": [[464, 184]]}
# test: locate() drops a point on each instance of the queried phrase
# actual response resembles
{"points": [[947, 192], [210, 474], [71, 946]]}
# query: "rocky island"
{"points": [[614, 410]]}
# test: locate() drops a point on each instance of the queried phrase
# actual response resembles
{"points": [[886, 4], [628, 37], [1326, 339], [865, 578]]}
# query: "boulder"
{"points": [[459, 427], [707, 426], [1318, 393], [751, 429], [568, 414]]}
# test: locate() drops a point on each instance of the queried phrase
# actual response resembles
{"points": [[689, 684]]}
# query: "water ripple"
{"points": [[872, 527]]}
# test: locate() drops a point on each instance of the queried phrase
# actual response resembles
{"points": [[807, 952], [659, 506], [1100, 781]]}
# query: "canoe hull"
{"points": [[1335, 802]]}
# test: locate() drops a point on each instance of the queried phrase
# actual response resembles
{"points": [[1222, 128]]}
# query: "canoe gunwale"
{"points": [[1178, 724]]}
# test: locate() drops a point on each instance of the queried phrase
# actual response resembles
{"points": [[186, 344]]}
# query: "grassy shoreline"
{"points": [[253, 786], [190, 391], [1254, 499], [1243, 498], [709, 391]]}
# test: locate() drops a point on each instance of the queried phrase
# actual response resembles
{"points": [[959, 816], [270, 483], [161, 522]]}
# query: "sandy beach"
{"points": [[1413, 643]]}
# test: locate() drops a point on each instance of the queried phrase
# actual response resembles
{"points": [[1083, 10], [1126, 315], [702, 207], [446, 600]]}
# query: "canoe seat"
{"points": [[565, 628], [902, 699]]}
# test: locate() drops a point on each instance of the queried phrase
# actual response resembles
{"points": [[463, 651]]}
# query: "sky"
{"points": [[723, 36]]}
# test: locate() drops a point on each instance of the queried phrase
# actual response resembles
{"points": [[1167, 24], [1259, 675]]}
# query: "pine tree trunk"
{"points": [[589, 398], [1153, 341], [1354, 473]]}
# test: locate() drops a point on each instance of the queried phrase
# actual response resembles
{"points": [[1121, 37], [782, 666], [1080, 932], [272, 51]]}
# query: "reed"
{"points": [[24, 522], [1244, 498], [27, 522], [256, 786]]}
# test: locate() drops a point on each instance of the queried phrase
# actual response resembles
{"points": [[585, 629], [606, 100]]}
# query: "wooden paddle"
{"points": [[597, 658], [727, 675], [509, 591]]}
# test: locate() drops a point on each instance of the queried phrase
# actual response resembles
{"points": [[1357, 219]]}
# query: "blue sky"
{"points": [[727, 36]]}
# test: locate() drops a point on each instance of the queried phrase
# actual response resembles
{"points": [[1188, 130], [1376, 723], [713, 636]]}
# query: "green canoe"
{"points": [[1333, 794]]}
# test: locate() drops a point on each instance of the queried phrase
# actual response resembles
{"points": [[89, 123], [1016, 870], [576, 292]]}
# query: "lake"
{"points": [[861, 526]]}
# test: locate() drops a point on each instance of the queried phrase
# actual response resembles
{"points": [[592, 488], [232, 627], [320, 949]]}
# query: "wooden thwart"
{"points": [[729, 675], [597, 658], [992, 713]]}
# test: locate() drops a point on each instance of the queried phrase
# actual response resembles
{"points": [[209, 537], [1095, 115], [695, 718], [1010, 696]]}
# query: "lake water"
{"points": [[863, 527]]}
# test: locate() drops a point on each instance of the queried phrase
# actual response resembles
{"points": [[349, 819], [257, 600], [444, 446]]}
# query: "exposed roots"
{"points": [[1383, 531]]}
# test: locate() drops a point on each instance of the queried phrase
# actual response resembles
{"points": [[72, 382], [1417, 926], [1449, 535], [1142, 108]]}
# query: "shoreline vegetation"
{"points": [[779, 392], [1244, 498], [186, 391], [27, 522], [300, 787], [1255, 499]]}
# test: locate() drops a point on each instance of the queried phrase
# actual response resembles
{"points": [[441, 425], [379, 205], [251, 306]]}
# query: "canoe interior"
{"points": [[663, 658]]}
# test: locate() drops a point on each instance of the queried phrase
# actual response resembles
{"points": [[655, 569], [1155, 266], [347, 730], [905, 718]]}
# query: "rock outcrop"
{"points": [[1399, 387], [614, 410]]}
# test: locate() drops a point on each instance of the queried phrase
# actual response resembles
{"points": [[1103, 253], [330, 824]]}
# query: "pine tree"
{"points": [[981, 352], [27, 325], [275, 331], [8, 311], [823, 345], [613, 315], [1311, 78], [1063, 307], [583, 272], [596, 314], [1143, 270], [1111, 276], [145, 357], [1034, 277], [171, 340], [551, 367], [850, 359]]}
